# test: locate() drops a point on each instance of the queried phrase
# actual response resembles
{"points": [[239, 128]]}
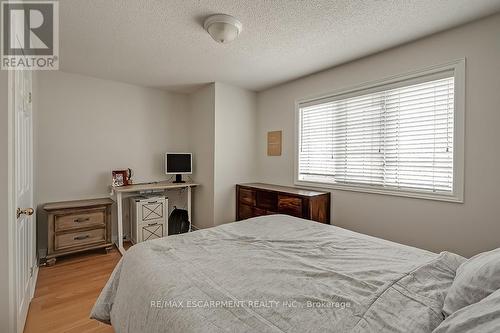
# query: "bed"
{"points": [[276, 274]]}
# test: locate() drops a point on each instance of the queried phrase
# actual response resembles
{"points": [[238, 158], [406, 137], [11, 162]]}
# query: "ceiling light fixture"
{"points": [[223, 28]]}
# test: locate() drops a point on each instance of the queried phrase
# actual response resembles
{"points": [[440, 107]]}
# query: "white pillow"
{"points": [[475, 279], [481, 317]]}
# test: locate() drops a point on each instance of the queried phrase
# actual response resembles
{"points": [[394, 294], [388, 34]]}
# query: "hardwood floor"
{"points": [[66, 292]]}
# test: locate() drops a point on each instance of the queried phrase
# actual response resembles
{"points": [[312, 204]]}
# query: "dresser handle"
{"points": [[81, 237], [81, 220]]}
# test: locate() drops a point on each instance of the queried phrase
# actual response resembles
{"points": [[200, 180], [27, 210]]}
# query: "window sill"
{"points": [[455, 198]]}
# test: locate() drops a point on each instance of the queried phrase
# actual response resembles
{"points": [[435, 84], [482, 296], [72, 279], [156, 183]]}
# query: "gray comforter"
{"points": [[276, 274]]}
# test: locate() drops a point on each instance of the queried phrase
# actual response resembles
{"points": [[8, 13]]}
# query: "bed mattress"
{"points": [[276, 274]]}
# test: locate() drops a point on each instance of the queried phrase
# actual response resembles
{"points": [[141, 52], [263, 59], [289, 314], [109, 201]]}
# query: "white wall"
{"points": [[463, 228], [235, 148], [201, 143]]}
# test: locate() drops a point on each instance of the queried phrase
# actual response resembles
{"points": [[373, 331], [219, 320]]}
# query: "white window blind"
{"points": [[397, 137]]}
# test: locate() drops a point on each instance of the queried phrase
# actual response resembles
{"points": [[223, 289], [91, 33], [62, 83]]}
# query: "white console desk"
{"points": [[118, 192]]}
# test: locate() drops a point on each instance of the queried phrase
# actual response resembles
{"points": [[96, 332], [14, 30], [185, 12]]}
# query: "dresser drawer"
{"points": [[246, 212], [79, 220], [267, 200], [247, 197], [81, 238], [290, 205]]}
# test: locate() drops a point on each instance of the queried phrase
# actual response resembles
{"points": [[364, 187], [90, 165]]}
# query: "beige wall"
{"points": [[463, 228], [222, 139], [201, 142], [86, 127], [5, 316], [235, 150]]}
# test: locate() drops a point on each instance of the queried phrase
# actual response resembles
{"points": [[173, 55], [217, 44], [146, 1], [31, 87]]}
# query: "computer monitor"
{"points": [[178, 164]]}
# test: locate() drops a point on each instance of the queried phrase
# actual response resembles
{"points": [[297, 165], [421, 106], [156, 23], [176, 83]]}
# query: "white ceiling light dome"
{"points": [[223, 28]]}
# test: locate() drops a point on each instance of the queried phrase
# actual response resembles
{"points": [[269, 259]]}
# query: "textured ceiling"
{"points": [[161, 43]]}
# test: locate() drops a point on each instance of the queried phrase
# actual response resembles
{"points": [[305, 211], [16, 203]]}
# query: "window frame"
{"points": [[458, 69]]}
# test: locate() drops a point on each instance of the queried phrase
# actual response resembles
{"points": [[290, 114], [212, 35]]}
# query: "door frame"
{"points": [[12, 206], [11, 220]]}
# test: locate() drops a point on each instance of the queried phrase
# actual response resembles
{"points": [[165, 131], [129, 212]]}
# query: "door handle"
{"points": [[81, 237], [25, 211], [80, 220]]}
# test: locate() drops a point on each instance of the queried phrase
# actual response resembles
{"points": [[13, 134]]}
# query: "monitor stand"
{"points": [[178, 179]]}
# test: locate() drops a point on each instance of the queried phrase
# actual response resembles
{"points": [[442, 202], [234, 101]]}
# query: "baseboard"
{"points": [[35, 280], [32, 295]]}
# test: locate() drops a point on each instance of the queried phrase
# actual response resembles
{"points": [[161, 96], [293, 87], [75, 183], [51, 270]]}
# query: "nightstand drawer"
{"points": [[76, 239], [80, 220]]}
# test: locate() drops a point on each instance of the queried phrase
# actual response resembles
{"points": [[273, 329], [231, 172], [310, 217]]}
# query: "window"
{"points": [[396, 137]]}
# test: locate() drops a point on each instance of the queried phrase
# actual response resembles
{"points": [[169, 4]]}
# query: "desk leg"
{"points": [[119, 205], [189, 206]]}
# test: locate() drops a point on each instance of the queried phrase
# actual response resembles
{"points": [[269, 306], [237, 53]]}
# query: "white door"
{"points": [[25, 255]]}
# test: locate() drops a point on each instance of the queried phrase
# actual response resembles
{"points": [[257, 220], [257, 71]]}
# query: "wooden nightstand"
{"points": [[76, 226]]}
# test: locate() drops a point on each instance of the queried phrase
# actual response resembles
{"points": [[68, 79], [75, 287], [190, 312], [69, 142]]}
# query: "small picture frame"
{"points": [[119, 177], [274, 143]]}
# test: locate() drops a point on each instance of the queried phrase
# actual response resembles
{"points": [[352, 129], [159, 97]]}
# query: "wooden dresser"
{"points": [[75, 226], [258, 199]]}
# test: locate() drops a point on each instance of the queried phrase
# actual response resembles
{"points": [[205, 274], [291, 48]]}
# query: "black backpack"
{"points": [[178, 222]]}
